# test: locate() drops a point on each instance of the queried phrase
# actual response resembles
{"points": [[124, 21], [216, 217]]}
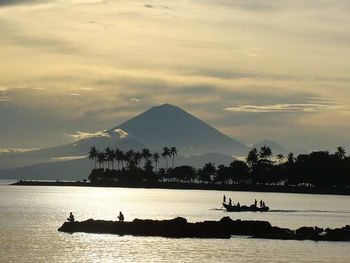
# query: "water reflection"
{"points": [[30, 217]]}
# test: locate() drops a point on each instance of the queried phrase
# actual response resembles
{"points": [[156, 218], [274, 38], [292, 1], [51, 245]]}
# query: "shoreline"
{"points": [[194, 186]]}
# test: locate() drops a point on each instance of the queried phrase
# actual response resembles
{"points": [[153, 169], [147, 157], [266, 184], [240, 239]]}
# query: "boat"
{"points": [[244, 208]]}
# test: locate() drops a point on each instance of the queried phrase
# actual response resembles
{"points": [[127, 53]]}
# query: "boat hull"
{"points": [[252, 208]]}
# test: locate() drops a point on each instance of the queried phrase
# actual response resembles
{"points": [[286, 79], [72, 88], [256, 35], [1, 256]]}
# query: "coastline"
{"points": [[194, 186]]}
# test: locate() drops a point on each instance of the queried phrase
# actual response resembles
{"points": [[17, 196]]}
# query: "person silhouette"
{"points": [[224, 199], [71, 217], [229, 201], [121, 217], [255, 203]]}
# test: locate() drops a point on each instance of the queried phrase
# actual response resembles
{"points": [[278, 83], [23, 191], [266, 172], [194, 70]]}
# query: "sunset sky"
{"points": [[254, 69]]}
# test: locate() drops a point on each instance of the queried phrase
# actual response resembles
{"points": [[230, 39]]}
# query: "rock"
{"points": [[306, 233], [225, 228]]}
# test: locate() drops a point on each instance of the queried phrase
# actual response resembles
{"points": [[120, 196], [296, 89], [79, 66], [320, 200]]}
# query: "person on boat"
{"points": [[224, 199], [121, 217], [238, 205], [230, 201], [255, 203], [261, 203], [70, 218]]}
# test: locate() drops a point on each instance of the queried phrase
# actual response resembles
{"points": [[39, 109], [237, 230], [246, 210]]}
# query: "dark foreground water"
{"points": [[30, 216]]}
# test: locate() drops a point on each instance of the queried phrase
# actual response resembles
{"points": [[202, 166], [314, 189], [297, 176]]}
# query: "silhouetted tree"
{"points": [[110, 156], [184, 173], [101, 158], [290, 158], [208, 170], [165, 154], [173, 152], [265, 152], [119, 157], [317, 169], [238, 171], [146, 154], [93, 154], [156, 158], [340, 152], [252, 157]]}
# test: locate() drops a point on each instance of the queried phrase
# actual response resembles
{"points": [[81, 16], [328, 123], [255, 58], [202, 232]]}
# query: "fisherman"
{"points": [[70, 218], [224, 199], [238, 205], [261, 203], [255, 203], [121, 217], [230, 201]]}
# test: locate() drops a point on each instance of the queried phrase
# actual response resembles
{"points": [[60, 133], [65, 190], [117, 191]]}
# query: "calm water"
{"points": [[30, 216]]}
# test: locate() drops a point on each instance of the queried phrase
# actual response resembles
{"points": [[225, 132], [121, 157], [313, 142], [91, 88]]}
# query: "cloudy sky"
{"points": [[254, 69]]}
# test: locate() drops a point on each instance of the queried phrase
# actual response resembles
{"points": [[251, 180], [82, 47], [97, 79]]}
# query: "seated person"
{"points": [[121, 217], [70, 218]]}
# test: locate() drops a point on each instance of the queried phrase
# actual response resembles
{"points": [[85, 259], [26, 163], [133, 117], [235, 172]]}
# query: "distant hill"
{"points": [[275, 147]]}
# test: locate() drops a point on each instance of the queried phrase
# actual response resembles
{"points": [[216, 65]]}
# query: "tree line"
{"points": [[260, 167], [135, 164]]}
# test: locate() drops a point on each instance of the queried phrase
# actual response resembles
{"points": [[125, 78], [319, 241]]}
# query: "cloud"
{"points": [[300, 49], [3, 95], [79, 135], [17, 150], [121, 133], [68, 158], [74, 94], [316, 104]]}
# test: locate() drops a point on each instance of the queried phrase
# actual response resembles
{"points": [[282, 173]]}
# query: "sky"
{"points": [[254, 69]]}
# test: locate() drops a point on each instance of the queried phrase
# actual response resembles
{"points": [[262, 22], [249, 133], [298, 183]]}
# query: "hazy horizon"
{"points": [[254, 70]]}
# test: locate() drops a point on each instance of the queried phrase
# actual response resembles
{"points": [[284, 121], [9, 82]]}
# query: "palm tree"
{"points": [[156, 158], [118, 156], [173, 152], [146, 154], [137, 158], [93, 154], [290, 158], [165, 155], [340, 152], [101, 158], [129, 155], [109, 156]]}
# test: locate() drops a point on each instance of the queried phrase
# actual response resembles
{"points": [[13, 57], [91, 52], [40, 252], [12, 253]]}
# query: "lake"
{"points": [[31, 215]]}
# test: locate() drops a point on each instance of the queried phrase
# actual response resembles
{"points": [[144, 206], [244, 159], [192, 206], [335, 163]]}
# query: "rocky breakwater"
{"points": [[224, 228]]}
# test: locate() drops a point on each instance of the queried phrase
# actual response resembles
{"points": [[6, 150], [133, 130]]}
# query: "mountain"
{"points": [[168, 125], [274, 146], [160, 126]]}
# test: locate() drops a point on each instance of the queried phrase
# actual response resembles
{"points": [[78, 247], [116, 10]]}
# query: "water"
{"points": [[30, 216]]}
